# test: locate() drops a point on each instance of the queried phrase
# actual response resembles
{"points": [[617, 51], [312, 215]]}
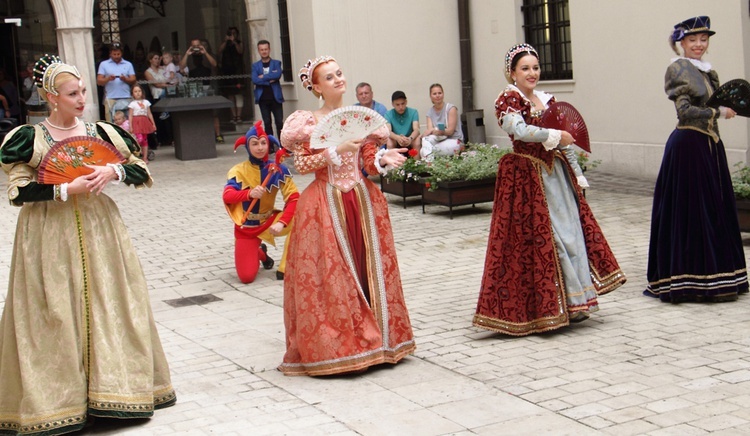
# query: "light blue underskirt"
{"points": [[568, 234]]}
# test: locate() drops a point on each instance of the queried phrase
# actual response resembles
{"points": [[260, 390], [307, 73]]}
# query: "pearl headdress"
{"points": [[47, 68], [518, 48], [306, 72]]}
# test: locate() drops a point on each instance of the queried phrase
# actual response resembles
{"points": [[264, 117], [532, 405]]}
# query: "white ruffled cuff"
{"points": [[333, 156], [582, 182], [553, 139], [119, 171], [64, 192], [378, 156]]}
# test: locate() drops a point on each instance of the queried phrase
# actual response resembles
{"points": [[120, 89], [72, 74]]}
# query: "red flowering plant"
{"points": [[411, 171], [475, 162], [585, 162]]}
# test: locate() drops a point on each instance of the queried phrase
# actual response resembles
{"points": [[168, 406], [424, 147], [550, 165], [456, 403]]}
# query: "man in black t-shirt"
{"points": [[200, 63]]}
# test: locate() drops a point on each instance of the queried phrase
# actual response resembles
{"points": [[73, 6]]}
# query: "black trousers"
{"points": [[268, 107]]}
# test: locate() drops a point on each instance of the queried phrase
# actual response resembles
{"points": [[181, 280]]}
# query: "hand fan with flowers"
{"points": [[345, 123], [563, 116], [735, 94], [67, 159]]}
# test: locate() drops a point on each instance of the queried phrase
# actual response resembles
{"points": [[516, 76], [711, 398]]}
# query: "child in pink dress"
{"points": [[141, 121]]}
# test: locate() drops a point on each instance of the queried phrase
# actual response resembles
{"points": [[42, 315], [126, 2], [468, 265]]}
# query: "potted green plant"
{"points": [[585, 162], [405, 181], [466, 178], [741, 186]]}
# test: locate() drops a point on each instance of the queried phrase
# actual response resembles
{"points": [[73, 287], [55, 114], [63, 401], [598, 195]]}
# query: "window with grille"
{"points": [[286, 45], [547, 28]]}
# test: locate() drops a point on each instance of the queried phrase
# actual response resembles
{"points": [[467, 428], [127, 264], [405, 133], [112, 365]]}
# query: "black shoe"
{"points": [[268, 263], [279, 275]]}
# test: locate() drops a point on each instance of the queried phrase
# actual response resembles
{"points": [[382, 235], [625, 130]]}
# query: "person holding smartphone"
{"points": [[443, 135], [116, 75]]}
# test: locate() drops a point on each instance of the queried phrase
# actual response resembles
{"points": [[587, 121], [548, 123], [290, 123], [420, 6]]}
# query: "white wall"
{"points": [[620, 55], [392, 44]]}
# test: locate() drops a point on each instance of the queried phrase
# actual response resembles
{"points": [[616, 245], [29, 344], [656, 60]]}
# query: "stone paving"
{"points": [[637, 366]]}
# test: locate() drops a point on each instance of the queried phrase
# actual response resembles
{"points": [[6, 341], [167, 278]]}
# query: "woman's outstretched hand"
{"points": [[393, 157]]}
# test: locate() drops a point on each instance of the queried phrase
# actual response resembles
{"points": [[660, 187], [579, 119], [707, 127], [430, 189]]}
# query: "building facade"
{"points": [[606, 58]]}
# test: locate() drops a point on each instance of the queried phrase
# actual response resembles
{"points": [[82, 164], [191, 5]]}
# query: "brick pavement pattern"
{"points": [[638, 366]]}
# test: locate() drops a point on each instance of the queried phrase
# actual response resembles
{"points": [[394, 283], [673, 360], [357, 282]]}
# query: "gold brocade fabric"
{"points": [[77, 334]]}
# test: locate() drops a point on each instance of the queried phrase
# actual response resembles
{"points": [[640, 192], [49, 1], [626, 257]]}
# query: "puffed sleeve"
{"points": [[295, 136], [136, 171], [18, 161], [510, 109], [678, 89]]}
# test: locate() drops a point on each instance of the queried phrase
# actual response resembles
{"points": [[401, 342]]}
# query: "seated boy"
{"points": [[253, 185], [403, 123]]}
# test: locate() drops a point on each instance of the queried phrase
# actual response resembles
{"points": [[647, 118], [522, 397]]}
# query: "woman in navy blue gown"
{"points": [[695, 253]]}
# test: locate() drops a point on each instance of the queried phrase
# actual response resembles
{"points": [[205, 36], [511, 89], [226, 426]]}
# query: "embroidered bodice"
{"points": [[515, 116], [343, 171], [690, 87]]}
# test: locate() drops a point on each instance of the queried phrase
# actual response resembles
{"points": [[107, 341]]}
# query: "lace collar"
{"points": [[701, 65], [543, 96]]}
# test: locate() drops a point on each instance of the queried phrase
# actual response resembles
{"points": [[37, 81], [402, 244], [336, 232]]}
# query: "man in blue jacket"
{"points": [[266, 74]]}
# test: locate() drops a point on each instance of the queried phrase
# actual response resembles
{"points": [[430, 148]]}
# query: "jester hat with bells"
{"points": [[278, 172]]}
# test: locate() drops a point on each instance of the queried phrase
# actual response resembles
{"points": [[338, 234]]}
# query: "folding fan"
{"points": [[67, 159], [563, 116], [735, 95], [342, 124]]}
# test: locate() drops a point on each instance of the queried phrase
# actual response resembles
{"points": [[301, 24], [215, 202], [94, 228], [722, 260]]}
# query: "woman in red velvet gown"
{"points": [[547, 259]]}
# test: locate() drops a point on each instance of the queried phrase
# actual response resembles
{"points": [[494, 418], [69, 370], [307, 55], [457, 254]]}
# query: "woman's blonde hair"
{"points": [[59, 80]]}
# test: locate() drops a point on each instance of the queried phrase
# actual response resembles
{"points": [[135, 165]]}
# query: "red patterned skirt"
{"points": [[523, 288]]}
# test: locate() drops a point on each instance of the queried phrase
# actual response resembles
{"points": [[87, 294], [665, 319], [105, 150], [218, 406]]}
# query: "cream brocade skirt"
{"points": [[77, 333]]}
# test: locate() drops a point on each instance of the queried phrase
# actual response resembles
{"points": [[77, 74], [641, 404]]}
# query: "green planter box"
{"points": [[460, 193]]}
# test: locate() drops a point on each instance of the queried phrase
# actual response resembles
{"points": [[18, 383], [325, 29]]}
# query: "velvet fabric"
{"points": [[695, 249]]}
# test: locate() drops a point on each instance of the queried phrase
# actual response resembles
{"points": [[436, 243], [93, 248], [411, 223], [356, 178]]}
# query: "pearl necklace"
{"points": [[63, 128]]}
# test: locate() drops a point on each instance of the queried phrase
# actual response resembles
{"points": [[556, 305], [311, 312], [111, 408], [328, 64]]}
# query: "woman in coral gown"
{"points": [[344, 307], [547, 259]]}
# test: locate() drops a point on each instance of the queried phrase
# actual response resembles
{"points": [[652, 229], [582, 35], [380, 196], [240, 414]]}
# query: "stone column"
{"points": [[75, 21], [257, 20]]}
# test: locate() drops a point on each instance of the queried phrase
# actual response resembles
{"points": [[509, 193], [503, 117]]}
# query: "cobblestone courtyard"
{"points": [[638, 366]]}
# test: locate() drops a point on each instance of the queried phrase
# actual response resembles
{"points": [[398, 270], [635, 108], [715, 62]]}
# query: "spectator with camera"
{"points": [[116, 75], [232, 65], [201, 64]]}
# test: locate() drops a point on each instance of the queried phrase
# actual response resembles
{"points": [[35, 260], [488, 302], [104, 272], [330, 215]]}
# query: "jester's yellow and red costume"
{"points": [[250, 233]]}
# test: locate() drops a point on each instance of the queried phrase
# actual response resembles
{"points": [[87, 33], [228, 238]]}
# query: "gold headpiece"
{"points": [[47, 68], [306, 72], [518, 48]]}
